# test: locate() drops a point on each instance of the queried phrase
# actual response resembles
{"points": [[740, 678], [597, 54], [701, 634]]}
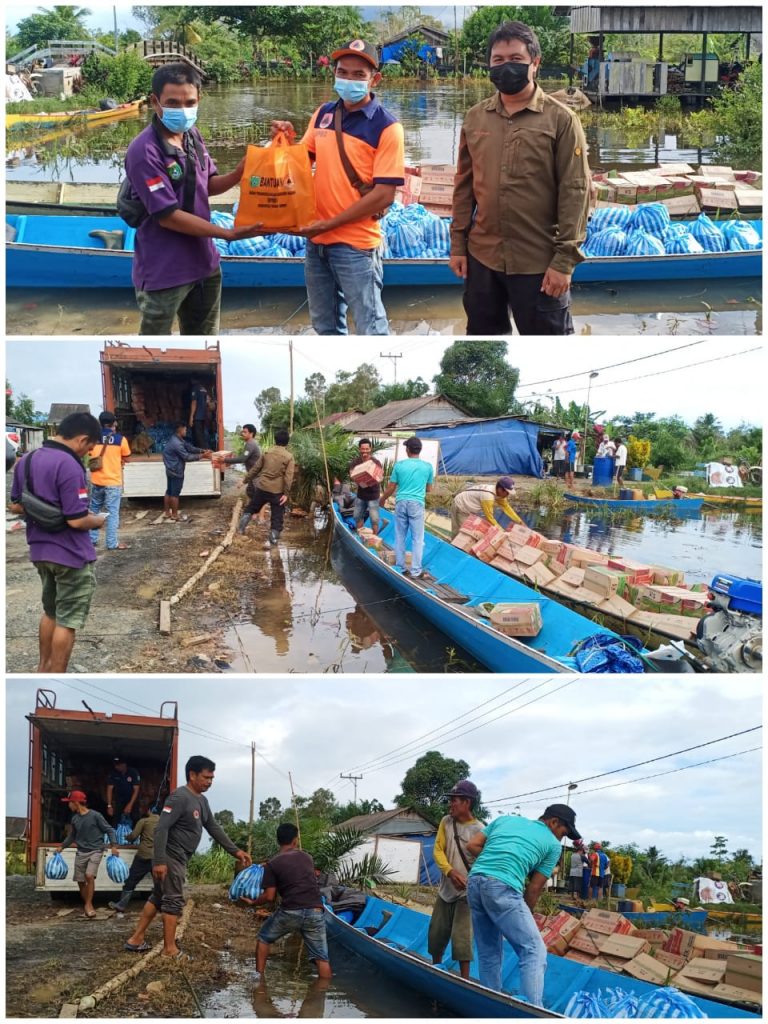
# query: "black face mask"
{"points": [[510, 78]]}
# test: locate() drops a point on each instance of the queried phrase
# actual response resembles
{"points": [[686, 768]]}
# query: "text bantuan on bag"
{"points": [[277, 189]]}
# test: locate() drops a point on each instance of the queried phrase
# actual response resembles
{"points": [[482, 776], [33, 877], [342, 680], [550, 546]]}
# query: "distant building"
{"points": [[60, 411], [430, 44], [401, 821], [404, 840], [409, 414], [337, 419]]}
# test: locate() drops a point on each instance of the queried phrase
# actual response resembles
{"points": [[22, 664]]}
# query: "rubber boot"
{"points": [[122, 903], [274, 537], [112, 239], [245, 518]]}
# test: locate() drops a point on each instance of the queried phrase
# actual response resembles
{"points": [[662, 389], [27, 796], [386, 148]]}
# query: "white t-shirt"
{"points": [[621, 455], [559, 448]]}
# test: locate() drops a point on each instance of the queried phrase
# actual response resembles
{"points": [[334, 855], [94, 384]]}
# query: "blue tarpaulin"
{"points": [[395, 51], [488, 448]]}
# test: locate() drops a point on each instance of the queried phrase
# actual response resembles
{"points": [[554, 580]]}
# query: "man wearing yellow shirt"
{"points": [[451, 919], [107, 481], [480, 499]]}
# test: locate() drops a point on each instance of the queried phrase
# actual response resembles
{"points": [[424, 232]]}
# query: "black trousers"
{"points": [[277, 511], [139, 869], [490, 295]]}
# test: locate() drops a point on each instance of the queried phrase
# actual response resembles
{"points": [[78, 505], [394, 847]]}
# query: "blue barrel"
{"points": [[602, 471], [626, 906], [635, 474], [626, 494]]}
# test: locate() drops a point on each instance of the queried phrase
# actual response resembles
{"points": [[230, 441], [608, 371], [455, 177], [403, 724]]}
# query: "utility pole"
{"points": [[117, 38], [290, 360], [295, 808], [253, 790], [394, 358], [354, 780]]}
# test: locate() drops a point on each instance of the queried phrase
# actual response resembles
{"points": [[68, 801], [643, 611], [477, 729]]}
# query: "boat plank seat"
{"points": [[373, 916]]}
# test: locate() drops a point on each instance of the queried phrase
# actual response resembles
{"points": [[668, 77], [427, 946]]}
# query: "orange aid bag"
{"points": [[277, 189]]}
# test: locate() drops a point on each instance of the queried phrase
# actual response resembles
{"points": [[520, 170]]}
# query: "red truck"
{"points": [[150, 388], [71, 749]]}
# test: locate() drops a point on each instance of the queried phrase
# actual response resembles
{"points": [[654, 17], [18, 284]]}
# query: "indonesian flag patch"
{"points": [[167, 809], [153, 184], [83, 494]]}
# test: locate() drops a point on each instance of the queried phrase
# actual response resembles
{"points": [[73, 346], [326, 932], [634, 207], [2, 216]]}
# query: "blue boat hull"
{"points": [[693, 920], [399, 949], [547, 652], [56, 251], [683, 507]]}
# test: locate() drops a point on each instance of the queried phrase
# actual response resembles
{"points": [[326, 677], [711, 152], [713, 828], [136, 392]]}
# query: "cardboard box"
{"points": [[744, 970], [749, 199], [439, 209], [374, 542], [616, 605], [671, 960], [701, 943], [527, 555], [555, 943], [673, 169], [535, 539], [574, 576], [717, 199], [583, 557], [484, 550], [442, 194], [607, 922], [637, 572], [647, 968], [580, 958], [554, 566], [538, 574], [463, 541], [667, 577], [682, 206], [586, 941], [523, 619], [476, 526], [709, 972], [518, 534], [504, 564], [621, 191], [431, 176], [750, 177], [679, 626], [625, 947], [550, 547], [564, 924], [717, 171], [695, 988], [604, 581], [736, 995], [655, 936], [680, 942]]}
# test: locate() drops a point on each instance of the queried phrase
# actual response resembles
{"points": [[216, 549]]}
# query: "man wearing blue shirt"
{"points": [[502, 897], [571, 452], [412, 478]]}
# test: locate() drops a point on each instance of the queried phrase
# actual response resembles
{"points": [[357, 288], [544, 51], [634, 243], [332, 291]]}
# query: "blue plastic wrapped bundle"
{"points": [[643, 243], [678, 241], [650, 217], [668, 1002], [406, 240], [609, 217], [275, 250], [295, 244], [124, 828], [610, 242], [603, 652], [740, 236], [56, 868], [248, 246], [708, 234], [222, 219], [618, 1003], [117, 869], [386, 252], [247, 883], [437, 234], [585, 1005], [222, 245]]}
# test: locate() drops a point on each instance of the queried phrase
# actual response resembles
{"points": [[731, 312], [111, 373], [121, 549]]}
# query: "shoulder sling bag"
{"points": [[43, 513], [363, 187], [458, 847], [96, 462]]}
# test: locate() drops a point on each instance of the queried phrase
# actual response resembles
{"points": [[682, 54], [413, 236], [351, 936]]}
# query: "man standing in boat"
{"points": [[169, 178], [520, 199], [515, 857], [412, 479], [451, 920], [479, 500], [358, 149]]}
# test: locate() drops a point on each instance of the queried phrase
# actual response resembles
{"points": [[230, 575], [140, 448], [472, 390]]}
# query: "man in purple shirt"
{"points": [[176, 265], [64, 558]]}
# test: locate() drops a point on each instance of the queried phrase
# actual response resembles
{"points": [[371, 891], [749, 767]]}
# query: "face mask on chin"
{"points": [[509, 78]]}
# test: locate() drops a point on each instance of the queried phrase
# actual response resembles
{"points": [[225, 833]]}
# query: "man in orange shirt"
{"points": [[107, 481], [343, 268]]}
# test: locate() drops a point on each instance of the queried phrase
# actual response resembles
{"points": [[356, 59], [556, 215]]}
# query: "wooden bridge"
{"points": [[59, 51], [163, 51]]}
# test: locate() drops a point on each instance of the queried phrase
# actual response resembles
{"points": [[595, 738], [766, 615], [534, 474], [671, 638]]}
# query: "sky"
{"points": [[547, 732], [731, 388]]}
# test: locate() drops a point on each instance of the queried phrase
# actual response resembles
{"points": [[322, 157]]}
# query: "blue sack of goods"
{"points": [[611, 241], [610, 217], [295, 244], [123, 830], [406, 240], [643, 243], [678, 241], [56, 868], [708, 234], [650, 217], [249, 246], [117, 869], [740, 236], [274, 250], [247, 883]]}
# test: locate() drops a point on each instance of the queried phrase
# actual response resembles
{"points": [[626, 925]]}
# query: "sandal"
{"points": [[91, 916], [181, 955], [131, 948]]}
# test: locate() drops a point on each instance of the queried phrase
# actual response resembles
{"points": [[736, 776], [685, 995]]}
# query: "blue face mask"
{"points": [[350, 90], [179, 119]]}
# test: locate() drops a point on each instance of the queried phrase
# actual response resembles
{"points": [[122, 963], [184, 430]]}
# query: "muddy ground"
{"points": [[55, 956]]}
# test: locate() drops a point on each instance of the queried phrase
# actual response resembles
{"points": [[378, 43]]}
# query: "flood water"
{"points": [[357, 989], [432, 113]]}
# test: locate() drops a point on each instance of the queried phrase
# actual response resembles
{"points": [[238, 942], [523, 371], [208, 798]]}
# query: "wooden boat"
{"points": [[394, 939], [730, 501], [69, 118], [682, 507], [60, 251], [739, 916], [693, 920], [456, 585], [652, 636], [68, 197]]}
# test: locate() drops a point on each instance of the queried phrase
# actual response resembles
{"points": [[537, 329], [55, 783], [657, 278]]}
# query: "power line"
{"points": [[656, 775], [613, 366], [626, 768]]}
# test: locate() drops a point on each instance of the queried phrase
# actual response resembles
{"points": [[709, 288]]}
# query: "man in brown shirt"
{"points": [[520, 199], [272, 476]]}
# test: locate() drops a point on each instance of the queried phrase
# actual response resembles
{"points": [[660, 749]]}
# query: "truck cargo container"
{"points": [[71, 749], [150, 388]]}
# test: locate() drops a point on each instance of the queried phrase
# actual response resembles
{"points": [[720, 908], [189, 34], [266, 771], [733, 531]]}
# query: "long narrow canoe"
{"points": [[59, 251], [730, 501], [394, 940], [734, 915], [691, 919], [70, 118], [684, 507], [456, 585]]}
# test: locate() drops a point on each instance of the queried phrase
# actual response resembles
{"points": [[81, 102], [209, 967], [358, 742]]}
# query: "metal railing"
{"points": [[59, 49]]}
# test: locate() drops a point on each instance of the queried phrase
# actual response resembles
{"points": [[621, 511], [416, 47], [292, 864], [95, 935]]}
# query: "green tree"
{"points": [[225, 818], [58, 22], [352, 810], [719, 849], [552, 30], [707, 434], [319, 29], [476, 375], [400, 391], [426, 783], [322, 804], [737, 115], [354, 390], [316, 386], [265, 400], [270, 809]]}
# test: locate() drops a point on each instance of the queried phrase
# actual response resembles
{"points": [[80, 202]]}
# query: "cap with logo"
{"points": [[466, 789], [77, 796], [567, 815], [358, 48]]}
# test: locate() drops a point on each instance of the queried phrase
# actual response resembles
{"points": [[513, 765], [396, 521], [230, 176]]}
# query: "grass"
{"points": [[545, 492], [88, 99]]}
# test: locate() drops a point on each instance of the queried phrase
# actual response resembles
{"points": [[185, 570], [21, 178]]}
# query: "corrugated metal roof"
{"points": [[388, 415], [60, 410], [15, 828], [372, 822]]}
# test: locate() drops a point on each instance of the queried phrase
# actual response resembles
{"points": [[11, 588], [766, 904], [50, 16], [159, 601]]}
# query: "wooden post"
{"points": [[253, 787], [290, 361], [295, 808]]}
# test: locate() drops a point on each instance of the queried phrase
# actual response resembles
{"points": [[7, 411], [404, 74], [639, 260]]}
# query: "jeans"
{"points": [[499, 912], [340, 278], [309, 922], [107, 499], [366, 507], [409, 516]]}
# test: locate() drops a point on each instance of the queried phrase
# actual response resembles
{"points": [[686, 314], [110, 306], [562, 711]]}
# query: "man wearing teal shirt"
{"points": [[412, 479], [502, 897]]}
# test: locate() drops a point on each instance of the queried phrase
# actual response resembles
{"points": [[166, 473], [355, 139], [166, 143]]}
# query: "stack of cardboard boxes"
{"points": [[431, 185], [695, 963], [682, 190], [648, 595]]}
